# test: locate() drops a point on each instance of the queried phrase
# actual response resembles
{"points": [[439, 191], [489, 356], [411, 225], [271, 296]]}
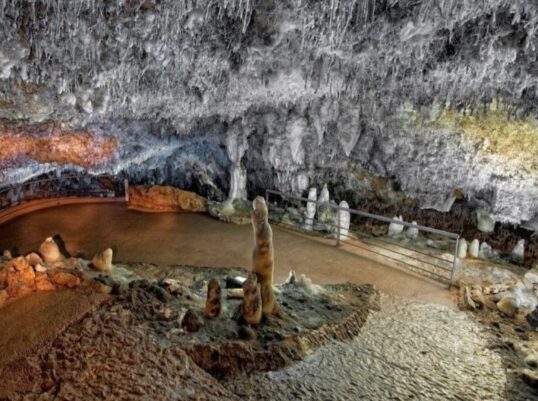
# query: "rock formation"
{"points": [[518, 253], [191, 321], [263, 255], [345, 218], [251, 307], [474, 249], [34, 259], [165, 199], [311, 207], [103, 261], [484, 222], [462, 248], [213, 301], [50, 251], [412, 232], [395, 228]]}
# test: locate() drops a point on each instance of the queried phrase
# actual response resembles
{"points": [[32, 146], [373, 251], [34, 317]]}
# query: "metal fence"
{"points": [[60, 187], [431, 252]]}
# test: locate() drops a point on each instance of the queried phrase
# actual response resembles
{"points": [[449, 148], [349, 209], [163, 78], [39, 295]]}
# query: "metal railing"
{"points": [[58, 187], [427, 260]]}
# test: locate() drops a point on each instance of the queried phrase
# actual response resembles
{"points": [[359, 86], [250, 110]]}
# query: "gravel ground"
{"points": [[406, 351]]}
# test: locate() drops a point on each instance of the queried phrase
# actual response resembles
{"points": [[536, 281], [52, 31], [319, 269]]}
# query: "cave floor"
{"points": [[198, 240]]}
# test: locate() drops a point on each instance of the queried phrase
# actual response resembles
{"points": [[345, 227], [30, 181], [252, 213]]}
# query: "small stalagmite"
{"points": [[103, 261], [50, 252], [251, 308], [213, 303], [263, 256]]}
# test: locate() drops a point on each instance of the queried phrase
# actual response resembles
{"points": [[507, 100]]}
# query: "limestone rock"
{"points": [[20, 277], [395, 228], [213, 301], [474, 249], [103, 261], [50, 252], [165, 199], [412, 232], [518, 253], [251, 308], [192, 321], [486, 252], [345, 219], [43, 283], [484, 222], [64, 279], [462, 248], [311, 208], [34, 259], [508, 306]]}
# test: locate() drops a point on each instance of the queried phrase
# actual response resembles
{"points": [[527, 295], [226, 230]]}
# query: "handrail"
{"points": [[384, 219]]}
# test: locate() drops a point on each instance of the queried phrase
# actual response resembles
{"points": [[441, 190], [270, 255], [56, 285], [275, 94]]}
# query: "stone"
{"points": [[412, 232], [103, 261], [34, 259], [474, 249], [484, 222], [477, 295], [213, 301], [395, 228], [235, 293], [165, 199], [518, 253], [345, 219], [43, 283], [192, 321], [263, 256], [324, 195], [486, 252], [175, 287], [20, 277], [251, 307], [467, 299], [311, 207], [64, 279], [462, 248], [508, 306], [246, 333], [50, 251], [532, 318], [7, 254]]}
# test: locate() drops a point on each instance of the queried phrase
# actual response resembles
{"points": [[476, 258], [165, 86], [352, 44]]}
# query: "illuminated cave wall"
{"points": [[438, 97]]}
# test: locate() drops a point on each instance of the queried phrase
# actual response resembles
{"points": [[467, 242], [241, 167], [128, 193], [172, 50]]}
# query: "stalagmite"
{"points": [[395, 228], [345, 218], [251, 308], [311, 208], [103, 261], [462, 248], [486, 252], [412, 232], [262, 257], [50, 252], [213, 303], [474, 249], [518, 253], [324, 195]]}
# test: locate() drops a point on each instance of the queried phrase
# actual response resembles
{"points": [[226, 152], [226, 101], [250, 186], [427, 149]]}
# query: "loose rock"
{"points": [[192, 321], [103, 261]]}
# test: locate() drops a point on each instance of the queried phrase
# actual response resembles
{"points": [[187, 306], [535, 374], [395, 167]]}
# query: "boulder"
{"points": [[103, 261], [192, 321], [64, 278], [508, 306], [50, 251], [462, 248], [474, 249], [34, 259], [165, 199], [484, 222], [20, 277]]}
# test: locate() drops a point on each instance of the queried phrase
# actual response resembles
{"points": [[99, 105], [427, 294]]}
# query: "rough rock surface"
{"points": [[193, 94], [165, 199]]}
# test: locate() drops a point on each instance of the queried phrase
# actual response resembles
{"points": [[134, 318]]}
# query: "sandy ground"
{"points": [[190, 239]]}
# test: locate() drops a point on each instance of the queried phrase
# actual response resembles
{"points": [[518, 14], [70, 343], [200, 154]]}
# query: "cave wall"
{"points": [[438, 97]]}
